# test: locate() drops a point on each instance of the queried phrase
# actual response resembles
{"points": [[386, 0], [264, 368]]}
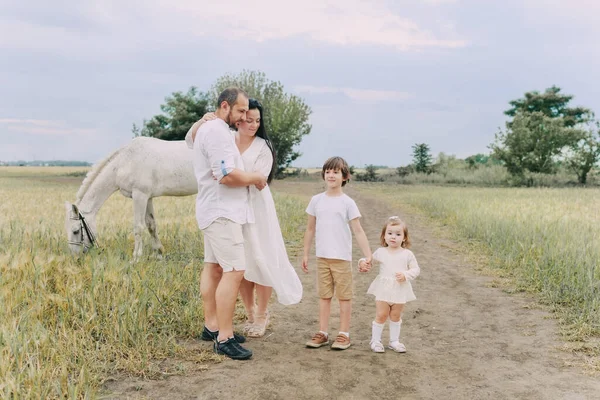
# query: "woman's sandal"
{"points": [[250, 318], [377, 347], [247, 326], [258, 330]]}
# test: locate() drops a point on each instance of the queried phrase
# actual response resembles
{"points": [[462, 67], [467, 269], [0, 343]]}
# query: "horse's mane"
{"points": [[94, 172]]}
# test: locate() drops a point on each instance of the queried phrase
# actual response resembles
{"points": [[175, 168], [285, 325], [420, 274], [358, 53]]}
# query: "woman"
{"points": [[268, 266]]}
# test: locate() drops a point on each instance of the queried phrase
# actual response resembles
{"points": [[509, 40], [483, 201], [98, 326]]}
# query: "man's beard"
{"points": [[231, 126]]}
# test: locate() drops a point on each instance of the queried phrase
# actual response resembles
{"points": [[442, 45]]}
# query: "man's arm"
{"points": [[309, 236], [222, 152], [361, 239], [239, 178]]}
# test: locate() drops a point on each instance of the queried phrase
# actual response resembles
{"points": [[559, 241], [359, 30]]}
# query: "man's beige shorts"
{"points": [[334, 274], [224, 245]]}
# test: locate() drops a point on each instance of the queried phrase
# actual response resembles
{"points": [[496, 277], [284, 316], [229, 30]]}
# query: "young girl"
{"points": [[392, 288]]}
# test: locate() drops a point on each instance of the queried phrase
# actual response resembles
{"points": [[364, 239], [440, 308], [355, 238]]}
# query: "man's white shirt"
{"points": [[215, 156]]}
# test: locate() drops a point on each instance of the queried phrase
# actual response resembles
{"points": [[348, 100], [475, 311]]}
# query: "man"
{"points": [[222, 208]]}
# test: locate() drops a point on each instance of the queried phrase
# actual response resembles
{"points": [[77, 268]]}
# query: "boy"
{"points": [[331, 214]]}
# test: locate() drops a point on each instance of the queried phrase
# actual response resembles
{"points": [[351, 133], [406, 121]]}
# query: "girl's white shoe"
{"points": [[396, 346], [377, 347]]}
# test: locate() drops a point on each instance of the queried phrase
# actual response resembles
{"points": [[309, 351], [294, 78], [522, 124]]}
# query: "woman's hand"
{"points": [[208, 117]]}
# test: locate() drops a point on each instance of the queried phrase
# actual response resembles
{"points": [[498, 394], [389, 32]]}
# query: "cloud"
{"points": [[127, 24], [38, 122], [43, 127], [438, 2], [364, 95], [338, 22]]}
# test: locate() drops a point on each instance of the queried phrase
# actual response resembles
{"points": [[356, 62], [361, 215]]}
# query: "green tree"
{"points": [[180, 111], [533, 142], [285, 115], [370, 174], [584, 154], [445, 162], [476, 160], [421, 157], [552, 103], [405, 170]]}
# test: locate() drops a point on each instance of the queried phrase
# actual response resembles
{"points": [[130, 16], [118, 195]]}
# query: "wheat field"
{"points": [[67, 324], [546, 240]]}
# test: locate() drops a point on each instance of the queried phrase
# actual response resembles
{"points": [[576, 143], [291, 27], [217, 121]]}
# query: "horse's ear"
{"points": [[71, 207]]}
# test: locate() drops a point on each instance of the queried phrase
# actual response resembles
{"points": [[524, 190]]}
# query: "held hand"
{"points": [[369, 264], [362, 265], [400, 277], [305, 264]]}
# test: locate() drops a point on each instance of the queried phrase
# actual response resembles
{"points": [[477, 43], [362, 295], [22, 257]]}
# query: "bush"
{"points": [[370, 175]]}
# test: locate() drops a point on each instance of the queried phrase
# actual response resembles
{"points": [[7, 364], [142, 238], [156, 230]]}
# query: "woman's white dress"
{"points": [[267, 262], [385, 287]]}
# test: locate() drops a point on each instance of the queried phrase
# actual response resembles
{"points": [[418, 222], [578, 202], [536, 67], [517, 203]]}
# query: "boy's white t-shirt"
{"points": [[333, 235]]}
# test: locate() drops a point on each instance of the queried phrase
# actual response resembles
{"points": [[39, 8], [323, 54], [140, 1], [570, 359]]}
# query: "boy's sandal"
{"points": [[258, 330], [377, 347]]}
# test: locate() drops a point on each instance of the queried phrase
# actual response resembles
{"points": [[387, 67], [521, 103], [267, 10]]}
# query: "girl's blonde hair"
{"points": [[395, 221]]}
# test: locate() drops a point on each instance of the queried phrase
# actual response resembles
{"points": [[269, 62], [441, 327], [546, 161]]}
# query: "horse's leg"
{"points": [[151, 224], [140, 203]]}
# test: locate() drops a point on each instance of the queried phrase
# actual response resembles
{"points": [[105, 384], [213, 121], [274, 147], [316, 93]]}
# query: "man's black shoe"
{"points": [[232, 349], [209, 336]]}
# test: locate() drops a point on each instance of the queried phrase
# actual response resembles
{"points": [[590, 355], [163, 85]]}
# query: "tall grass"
{"points": [[548, 240], [66, 324]]}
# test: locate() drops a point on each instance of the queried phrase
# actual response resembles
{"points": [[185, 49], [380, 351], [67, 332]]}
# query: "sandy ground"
{"points": [[465, 340]]}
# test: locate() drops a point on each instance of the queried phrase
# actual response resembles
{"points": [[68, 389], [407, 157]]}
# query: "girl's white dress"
{"points": [[267, 262], [385, 287]]}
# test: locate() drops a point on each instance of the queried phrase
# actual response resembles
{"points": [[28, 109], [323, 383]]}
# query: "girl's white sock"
{"points": [[395, 331], [376, 332]]}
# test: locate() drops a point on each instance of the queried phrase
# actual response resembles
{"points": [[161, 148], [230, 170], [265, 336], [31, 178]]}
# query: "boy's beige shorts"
{"points": [[334, 275]]}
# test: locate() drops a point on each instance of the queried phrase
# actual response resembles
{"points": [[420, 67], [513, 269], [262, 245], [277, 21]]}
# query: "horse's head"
{"points": [[80, 230]]}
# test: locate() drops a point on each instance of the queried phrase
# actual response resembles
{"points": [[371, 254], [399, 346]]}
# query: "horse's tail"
{"points": [[93, 174]]}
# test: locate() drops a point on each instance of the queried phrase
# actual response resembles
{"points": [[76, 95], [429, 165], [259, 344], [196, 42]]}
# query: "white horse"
{"points": [[143, 169]]}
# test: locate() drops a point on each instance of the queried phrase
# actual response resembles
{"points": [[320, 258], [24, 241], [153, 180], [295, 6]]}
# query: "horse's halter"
{"points": [[84, 229]]}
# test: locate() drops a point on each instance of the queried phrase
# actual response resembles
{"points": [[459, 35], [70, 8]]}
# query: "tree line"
{"points": [[543, 135]]}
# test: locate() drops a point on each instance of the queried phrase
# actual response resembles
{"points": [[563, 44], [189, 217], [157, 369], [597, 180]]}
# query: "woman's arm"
{"points": [[191, 135]]}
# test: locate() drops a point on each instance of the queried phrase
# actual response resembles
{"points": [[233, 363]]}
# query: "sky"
{"points": [[378, 75]]}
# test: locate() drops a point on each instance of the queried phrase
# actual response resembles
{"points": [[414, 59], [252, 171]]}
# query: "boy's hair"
{"points": [[395, 221], [337, 163]]}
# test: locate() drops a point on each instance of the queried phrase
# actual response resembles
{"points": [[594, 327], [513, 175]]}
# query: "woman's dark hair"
{"points": [[262, 133]]}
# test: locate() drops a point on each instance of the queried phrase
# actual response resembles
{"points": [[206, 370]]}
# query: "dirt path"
{"points": [[464, 340]]}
